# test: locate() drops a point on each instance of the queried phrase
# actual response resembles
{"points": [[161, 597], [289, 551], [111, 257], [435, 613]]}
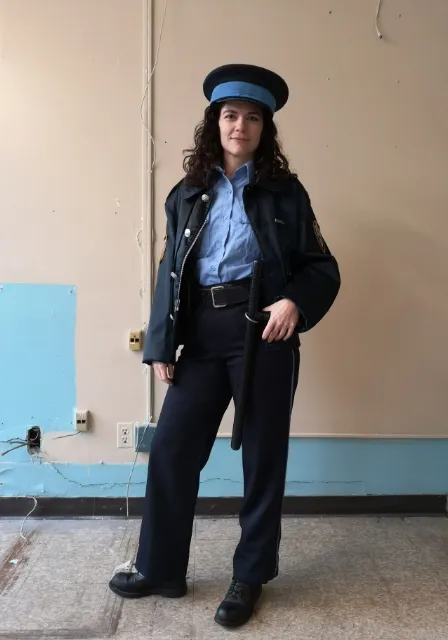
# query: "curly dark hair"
{"points": [[207, 152]]}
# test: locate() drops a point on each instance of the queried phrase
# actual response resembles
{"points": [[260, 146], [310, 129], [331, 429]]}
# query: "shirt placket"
{"points": [[225, 224]]}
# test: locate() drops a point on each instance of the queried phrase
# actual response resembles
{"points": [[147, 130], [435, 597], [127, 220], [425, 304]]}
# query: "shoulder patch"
{"points": [[319, 236]]}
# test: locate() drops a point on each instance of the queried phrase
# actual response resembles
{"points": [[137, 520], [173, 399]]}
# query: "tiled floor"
{"points": [[340, 579]]}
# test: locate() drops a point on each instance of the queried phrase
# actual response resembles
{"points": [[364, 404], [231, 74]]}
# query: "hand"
{"points": [[283, 320], [165, 372]]}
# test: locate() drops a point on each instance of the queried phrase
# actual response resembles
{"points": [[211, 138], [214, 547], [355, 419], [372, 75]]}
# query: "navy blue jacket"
{"points": [[297, 263]]}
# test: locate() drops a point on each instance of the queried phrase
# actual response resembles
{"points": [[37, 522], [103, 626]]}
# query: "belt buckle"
{"points": [[212, 290]]}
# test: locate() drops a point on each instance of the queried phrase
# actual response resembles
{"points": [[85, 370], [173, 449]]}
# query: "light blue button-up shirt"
{"points": [[227, 246]]}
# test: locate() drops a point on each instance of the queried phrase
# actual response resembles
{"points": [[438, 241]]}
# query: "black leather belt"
{"points": [[225, 295]]}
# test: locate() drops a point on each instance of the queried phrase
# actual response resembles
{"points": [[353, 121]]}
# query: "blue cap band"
{"points": [[243, 91]]}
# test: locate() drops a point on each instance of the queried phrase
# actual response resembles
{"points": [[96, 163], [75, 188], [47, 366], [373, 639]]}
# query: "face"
{"points": [[240, 125]]}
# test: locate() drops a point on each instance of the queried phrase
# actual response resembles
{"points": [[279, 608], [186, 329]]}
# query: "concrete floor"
{"points": [[340, 579]]}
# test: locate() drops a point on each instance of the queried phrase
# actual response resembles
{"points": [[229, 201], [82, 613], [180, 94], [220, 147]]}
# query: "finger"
{"points": [[160, 372], [281, 333], [166, 378], [289, 333], [268, 329], [274, 334], [170, 371], [156, 369]]}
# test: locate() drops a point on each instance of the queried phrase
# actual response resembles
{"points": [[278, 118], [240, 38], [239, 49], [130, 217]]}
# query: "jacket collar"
{"points": [[270, 184], [212, 177], [277, 186], [188, 192]]}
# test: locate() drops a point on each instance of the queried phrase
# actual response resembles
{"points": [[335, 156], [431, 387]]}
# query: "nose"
{"points": [[239, 124]]}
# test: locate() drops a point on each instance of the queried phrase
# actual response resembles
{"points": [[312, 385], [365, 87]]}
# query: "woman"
{"points": [[238, 202]]}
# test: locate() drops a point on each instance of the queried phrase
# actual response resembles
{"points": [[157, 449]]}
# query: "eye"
{"points": [[254, 118]]}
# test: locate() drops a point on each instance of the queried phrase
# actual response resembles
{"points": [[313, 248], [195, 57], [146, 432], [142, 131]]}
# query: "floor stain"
{"points": [[20, 551]]}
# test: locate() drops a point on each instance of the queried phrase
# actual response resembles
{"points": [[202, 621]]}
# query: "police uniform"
{"points": [[213, 236]]}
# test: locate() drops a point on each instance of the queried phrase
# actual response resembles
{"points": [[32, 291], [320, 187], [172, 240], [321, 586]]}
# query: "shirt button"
{"points": [[187, 233], [205, 198]]}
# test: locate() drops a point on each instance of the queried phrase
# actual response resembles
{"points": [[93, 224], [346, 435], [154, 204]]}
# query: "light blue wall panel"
{"points": [[37, 358], [317, 467]]}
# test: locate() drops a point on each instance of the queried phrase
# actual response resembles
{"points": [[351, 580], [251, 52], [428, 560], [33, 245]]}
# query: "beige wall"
{"points": [[365, 128], [71, 163]]}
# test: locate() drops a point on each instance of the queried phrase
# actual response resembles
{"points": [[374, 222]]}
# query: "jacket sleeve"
{"points": [[159, 341], [315, 278]]}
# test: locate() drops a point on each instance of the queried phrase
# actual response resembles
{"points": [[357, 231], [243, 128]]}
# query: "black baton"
{"points": [[254, 317]]}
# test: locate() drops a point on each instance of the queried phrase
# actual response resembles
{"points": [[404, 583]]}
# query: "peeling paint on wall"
{"points": [[317, 467]]}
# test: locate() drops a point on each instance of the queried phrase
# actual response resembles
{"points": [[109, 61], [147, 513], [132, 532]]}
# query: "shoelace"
{"points": [[236, 589]]}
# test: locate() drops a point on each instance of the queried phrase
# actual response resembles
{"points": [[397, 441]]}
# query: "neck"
{"points": [[232, 163]]}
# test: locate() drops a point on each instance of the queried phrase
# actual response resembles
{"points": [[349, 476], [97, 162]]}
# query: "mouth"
{"points": [[240, 139]]}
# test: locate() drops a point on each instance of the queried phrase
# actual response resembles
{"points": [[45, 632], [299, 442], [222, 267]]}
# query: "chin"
{"points": [[240, 150]]}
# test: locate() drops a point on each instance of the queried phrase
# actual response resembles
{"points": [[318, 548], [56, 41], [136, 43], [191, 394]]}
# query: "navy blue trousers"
{"points": [[206, 378]]}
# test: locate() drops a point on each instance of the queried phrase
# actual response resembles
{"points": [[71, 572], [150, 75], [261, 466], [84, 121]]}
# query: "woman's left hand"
{"points": [[283, 320]]}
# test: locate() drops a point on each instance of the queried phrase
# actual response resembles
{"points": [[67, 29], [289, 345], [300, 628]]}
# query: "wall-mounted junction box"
{"points": [[135, 340], [144, 433], [33, 439], [81, 420]]}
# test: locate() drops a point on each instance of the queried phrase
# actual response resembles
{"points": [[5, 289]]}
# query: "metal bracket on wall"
{"points": [[144, 433]]}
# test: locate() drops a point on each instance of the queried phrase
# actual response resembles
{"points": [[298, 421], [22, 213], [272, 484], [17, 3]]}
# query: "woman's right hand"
{"points": [[164, 372]]}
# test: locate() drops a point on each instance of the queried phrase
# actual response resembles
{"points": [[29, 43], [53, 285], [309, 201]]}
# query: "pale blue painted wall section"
{"points": [[37, 362], [317, 467], [38, 387]]}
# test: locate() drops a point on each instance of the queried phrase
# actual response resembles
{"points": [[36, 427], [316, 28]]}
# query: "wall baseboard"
{"points": [[405, 505]]}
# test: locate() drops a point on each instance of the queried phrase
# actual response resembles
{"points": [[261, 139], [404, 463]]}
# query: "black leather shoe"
{"points": [[134, 585], [238, 605]]}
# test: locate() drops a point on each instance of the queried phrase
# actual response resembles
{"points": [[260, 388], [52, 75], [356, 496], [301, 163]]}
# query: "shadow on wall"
{"points": [[385, 367]]}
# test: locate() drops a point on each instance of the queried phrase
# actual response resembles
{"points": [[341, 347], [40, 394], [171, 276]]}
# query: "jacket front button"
{"points": [[187, 233], [205, 198]]}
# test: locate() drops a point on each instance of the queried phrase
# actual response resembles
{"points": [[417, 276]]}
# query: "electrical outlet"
{"points": [[125, 435], [81, 420]]}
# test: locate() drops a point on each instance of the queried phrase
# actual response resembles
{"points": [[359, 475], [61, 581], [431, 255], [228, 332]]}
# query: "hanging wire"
{"points": [[70, 435], [377, 18], [148, 84]]}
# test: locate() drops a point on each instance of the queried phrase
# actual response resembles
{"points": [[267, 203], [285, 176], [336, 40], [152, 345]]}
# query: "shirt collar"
{"points": [[247, 168]]}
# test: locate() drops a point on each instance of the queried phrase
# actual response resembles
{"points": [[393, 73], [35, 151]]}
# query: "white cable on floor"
{"points": [[26, 517]]}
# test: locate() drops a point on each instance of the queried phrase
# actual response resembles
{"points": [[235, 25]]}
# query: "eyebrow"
{"points": [[249, 113]]}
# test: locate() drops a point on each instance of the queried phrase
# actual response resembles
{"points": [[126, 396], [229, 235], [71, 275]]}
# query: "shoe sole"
{"points": [[233, 624], [179, 592]]}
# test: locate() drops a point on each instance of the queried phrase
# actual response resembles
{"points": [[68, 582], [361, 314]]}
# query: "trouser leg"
{"points": [[265, 452], [186, 430]]}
